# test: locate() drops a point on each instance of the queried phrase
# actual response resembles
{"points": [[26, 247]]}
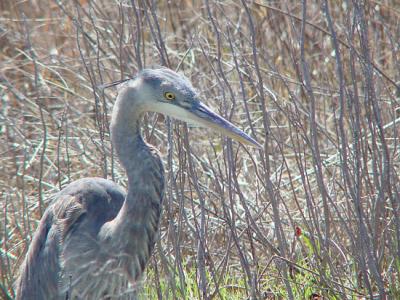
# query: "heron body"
{"points": [[95, 239]]}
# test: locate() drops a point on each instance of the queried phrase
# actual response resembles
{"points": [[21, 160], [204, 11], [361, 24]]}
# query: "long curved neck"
{"points": [[134, 229], [141, 161], [125, 136]]}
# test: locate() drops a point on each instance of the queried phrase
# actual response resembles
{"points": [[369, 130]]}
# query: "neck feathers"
{"points": [[135, 228]]}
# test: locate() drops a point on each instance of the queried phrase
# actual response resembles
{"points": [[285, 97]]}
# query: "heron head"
{"points": [[167, 92]]}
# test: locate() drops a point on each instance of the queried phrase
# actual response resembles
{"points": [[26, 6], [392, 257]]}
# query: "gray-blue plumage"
{"points": [[94, 240]]}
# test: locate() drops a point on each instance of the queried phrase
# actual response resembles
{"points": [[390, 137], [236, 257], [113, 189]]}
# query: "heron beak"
{"points": [[205, 117]]}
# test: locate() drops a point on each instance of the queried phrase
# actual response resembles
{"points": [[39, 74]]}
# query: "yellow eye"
{"points": [[169, 96]]}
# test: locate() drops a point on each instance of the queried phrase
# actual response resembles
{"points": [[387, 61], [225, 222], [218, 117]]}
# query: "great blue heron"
{"points": [[94, 240]]}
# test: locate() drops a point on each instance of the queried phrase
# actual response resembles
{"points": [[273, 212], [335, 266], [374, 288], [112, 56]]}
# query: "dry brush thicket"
{"points": [[316, 83]]}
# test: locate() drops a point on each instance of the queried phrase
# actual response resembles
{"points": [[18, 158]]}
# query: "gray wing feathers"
{"points": [[41, 263], [86, 203]]}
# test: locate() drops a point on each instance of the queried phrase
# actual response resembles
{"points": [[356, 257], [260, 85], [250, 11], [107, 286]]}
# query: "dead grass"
{"points": [[318, 87]]}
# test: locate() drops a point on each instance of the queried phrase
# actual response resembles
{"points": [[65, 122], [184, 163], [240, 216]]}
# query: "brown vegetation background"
{"points": [[313, 214]]}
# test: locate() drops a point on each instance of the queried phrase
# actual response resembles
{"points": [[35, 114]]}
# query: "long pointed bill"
{"points": [[203, 116], [199, 114]]}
